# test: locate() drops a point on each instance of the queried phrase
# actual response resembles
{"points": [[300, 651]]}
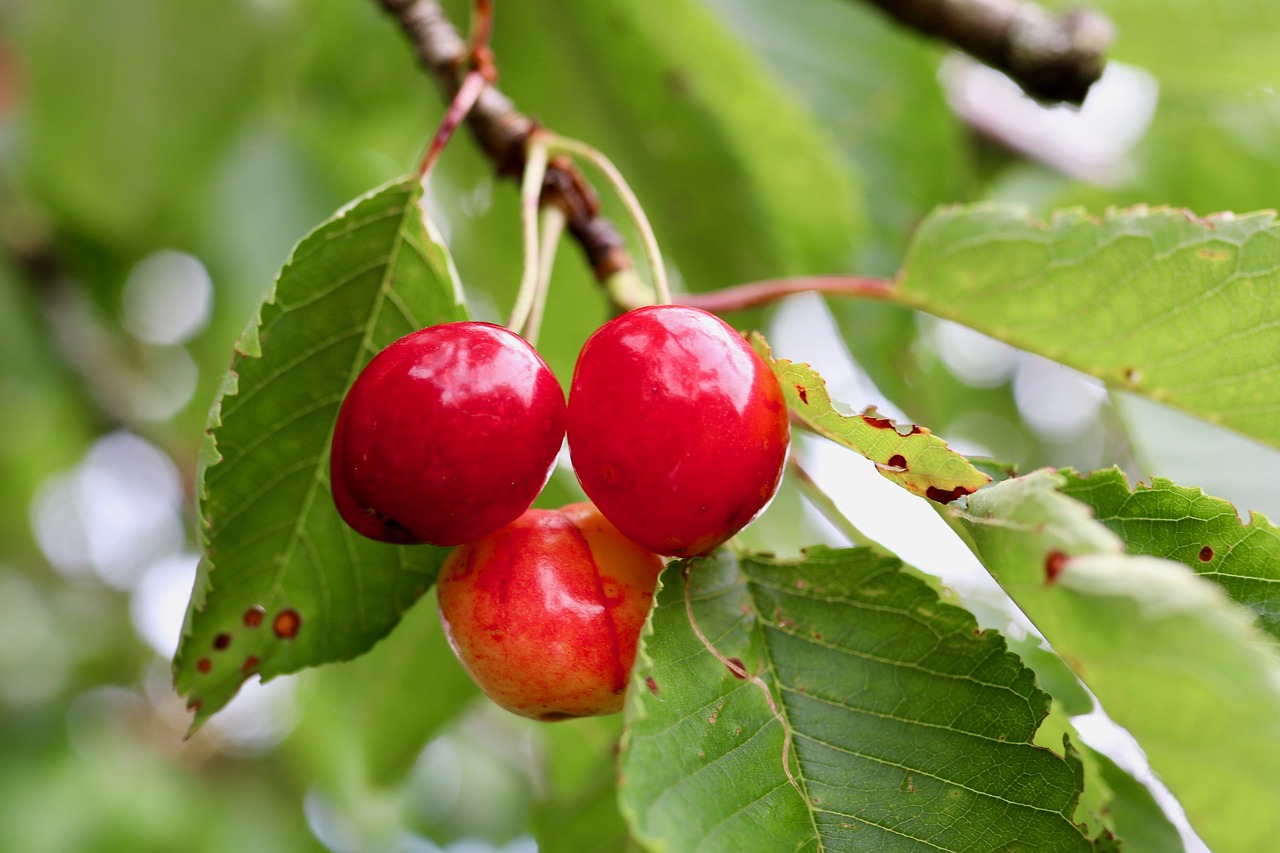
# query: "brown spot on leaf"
{"points": [[204, 665], [1206, 554], [1131, 375], [897, 460], [1054, 563], [651, 684], [286, 624], [221, 641], [1211, 255], [249, 663], [945, 496], [736, 667], [254, 615], [877, 423], [804, 395], [195, 705]]}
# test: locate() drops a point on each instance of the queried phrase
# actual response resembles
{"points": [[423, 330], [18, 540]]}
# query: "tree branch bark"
{"points": [[501, 131], [1053, 58]]}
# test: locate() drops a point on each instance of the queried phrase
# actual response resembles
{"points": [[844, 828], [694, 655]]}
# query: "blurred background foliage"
{"points": [[159, 159]]}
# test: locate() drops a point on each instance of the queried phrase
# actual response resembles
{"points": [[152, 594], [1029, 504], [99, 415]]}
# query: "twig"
{"points": [[755, 294], [653, 254], [1053, 58], [501, 131]]}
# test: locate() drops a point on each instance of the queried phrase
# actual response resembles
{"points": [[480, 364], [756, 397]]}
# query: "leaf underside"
{"points": [[1167, 653], [283, 583], [1184, 310], [907, 728]]}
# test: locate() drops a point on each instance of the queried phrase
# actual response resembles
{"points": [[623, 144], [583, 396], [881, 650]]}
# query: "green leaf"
{"points": [[1167, 654], [273, 542], [1198, 530], [1130, 806], [1198, 46], [672, 97], [911, 455], [1181, 309], [873, 85], [906, 727], [123, 131], [578, 812]]}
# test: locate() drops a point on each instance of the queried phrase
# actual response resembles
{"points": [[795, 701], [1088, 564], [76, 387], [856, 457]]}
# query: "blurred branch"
{"points": [[1052, 57], [501, 131], [75, 336]]}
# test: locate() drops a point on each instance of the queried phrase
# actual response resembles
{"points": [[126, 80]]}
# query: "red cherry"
{"points": [[678, 430], [545, 614], [447, 435]]}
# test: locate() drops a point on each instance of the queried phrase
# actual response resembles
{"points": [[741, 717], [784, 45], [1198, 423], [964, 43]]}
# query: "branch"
{"points": [[1053, 58], [501, 131]]}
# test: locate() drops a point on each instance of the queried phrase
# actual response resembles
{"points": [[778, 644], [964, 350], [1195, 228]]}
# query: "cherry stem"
{"points": [[743, 296], [553, 222], [657, 271], [740, 671], [468, 93], [826, 505], [535, 171], [482, 73]]}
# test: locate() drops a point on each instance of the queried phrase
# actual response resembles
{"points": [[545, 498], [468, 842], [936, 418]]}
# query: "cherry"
{"points": [[678, 430], [448, 434], [545, 613]]}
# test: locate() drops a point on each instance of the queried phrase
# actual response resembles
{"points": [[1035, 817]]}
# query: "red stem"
{"points": [[468, 93], [757, 293], [483, 72]]}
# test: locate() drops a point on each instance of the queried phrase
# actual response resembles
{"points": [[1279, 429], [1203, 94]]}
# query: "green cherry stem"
{"points": [[553, 222], [535, 171], [824, 504], [658, 272]]}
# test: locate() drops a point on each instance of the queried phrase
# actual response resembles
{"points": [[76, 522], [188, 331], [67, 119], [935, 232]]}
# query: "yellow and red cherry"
{"points": [[545, 613]]}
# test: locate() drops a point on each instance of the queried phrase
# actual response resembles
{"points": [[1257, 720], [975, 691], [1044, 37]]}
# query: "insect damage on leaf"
{"points": [[908, 454]]}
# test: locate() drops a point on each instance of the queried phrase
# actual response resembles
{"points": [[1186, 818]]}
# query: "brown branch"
{"points": [[757, 293], [1053, 58], [501, 131]]}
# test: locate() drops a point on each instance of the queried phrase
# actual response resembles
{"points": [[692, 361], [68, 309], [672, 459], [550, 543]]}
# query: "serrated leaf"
{"points": [[910, 455], [1181, 309], [1168, 655], [907, 728], [1198, 530], [274, 546]]}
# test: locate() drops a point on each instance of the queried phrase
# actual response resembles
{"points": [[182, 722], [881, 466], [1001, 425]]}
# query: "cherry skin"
{"points": [[678, 430], [545, 614], [448, 434]]}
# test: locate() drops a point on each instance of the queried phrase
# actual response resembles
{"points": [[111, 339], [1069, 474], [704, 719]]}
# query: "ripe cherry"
{"points": [[545, 614], [678, 430], [446, 435]]}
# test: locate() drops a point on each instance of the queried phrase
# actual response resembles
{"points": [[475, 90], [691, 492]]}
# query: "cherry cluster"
{"points": [[677, 431]]}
